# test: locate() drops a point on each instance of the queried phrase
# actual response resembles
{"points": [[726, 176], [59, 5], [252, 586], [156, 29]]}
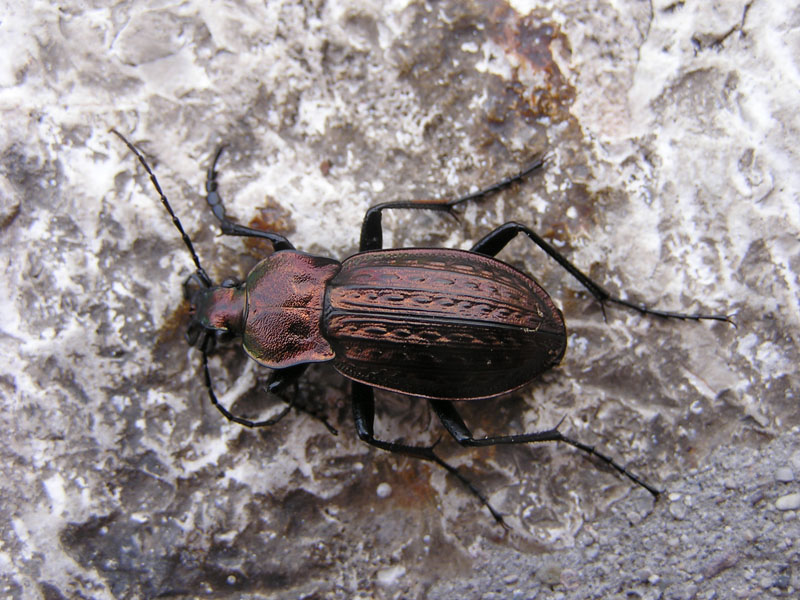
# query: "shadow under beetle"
{"points": [[440, 324]]}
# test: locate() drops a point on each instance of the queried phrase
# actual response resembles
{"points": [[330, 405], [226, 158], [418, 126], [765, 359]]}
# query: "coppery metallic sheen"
{"points": [[220, 308], [440, 323], [284, 308]]}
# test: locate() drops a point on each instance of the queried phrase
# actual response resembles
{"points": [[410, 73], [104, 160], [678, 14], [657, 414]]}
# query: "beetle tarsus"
{"points": [[664, 314]]}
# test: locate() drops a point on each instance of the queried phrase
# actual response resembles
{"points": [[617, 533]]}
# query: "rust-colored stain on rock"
{"points": [[271, 216], [529, 40]]}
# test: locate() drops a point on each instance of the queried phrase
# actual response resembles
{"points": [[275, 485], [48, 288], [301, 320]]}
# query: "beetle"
{"points": [[444, 325]]}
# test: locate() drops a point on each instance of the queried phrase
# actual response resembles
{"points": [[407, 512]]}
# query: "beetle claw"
{"points": [[559, 423]]}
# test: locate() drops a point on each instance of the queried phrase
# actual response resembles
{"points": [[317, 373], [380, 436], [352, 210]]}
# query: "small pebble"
{"points": [[390, 576], [678, 510], [384, 490], [550, 574], [782, 582], [570, 579], [796, 460], [784, 475], [726, 561], [788, 502]]}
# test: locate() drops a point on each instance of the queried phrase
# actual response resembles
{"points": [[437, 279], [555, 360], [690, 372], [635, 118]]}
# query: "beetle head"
{"points": [[217, 311]]}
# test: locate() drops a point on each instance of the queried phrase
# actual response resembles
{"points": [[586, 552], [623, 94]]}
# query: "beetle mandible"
{"points": [[440, 324]]}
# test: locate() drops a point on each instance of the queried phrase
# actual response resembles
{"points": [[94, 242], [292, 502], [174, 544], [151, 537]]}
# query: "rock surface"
{"points": [[672, 178]]}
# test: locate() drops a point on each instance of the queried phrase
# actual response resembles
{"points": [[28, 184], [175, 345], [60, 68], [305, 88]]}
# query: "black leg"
{"points": [[278, 381], [364, 417], [495, 241], [372, 233], [205, 346], [229, 227], [454, 424]]}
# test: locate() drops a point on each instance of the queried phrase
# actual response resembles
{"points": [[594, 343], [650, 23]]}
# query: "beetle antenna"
{"points": [[175, 221]]}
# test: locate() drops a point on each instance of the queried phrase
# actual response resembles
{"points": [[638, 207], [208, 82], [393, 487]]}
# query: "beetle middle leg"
{"points": [[455, 425], [372, 232], [364, 417]]}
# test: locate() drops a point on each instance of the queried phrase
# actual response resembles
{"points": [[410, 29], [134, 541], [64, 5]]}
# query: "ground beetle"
{"points": [[440, 324]]}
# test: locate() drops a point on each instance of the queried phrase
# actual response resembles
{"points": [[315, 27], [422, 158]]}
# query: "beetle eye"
{"points": [[230, 282]]}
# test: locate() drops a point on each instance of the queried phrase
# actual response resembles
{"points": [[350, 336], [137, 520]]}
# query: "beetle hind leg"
{"points": [[455, 425], [364, 417], [495, 241]]}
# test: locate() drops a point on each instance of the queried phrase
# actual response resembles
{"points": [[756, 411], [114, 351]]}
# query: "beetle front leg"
{"points": [[278, 381], [455, 425], [498, 239], [204, 350], [228, 227], [364, 417], [371, 229]]}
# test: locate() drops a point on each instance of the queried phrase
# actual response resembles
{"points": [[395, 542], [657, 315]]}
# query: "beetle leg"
{"points": [[364, 417], [455, 425], [205, 346], [372, 232], [496, 240], [279, 379], [227, 226]]}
